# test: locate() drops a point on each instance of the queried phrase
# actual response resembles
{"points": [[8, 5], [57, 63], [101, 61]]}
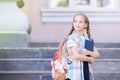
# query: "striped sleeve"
{"points": [[71, 42]]}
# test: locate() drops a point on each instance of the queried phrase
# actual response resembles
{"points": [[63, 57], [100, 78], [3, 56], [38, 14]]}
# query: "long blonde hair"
{"points": [[87, 30], [86, 21]]}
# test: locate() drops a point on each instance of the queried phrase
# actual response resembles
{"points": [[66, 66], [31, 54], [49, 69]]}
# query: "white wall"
{"points": [[54, 32]]}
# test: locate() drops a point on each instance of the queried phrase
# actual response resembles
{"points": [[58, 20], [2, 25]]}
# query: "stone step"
{"points": [[107, 75], [45, 64], [106, 65], [25, 64], [24, 76], [37, 75], [109, 53], [48, 52], [27, 52], [100, 76], [46, 75], [34, 64], [55, 44]]}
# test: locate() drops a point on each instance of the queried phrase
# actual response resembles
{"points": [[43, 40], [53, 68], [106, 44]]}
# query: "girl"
{"points": [[75, 45]]}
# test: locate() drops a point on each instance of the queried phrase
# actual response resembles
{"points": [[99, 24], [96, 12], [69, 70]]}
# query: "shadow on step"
{"points": [[98, 45]]}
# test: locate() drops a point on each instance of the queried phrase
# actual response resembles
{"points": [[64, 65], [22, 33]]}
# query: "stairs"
{"points": [[34, 63], [25, 64]]}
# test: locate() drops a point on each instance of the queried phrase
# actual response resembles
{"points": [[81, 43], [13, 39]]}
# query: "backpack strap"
{"points": [[61, 45]]}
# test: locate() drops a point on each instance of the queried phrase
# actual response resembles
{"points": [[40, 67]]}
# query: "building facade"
{"points": [[52, 19]]}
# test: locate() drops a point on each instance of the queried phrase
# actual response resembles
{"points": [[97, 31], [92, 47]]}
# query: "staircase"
{"points": [[34, 63]]}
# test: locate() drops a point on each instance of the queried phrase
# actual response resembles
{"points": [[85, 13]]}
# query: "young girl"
{"points": [[75, 45]]}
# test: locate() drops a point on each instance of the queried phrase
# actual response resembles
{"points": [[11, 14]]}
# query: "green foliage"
{"points": [[20, 3]]}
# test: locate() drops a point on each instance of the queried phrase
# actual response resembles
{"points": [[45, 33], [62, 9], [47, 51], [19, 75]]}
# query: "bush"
{"points": [[20, 3]]}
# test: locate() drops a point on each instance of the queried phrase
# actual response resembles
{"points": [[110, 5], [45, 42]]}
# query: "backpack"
{"points": [[59, 62]]}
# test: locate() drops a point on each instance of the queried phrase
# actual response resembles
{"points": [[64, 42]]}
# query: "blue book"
{"points": [[89, 44]]}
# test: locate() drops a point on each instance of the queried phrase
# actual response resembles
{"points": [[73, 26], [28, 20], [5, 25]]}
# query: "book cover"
{"points": [[89, 44]]}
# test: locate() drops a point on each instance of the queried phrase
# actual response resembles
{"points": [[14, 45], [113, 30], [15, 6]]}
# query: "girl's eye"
{"points": [[78, 21]]}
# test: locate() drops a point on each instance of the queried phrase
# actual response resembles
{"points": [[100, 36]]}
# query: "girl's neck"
{"points": [[80, 32]]}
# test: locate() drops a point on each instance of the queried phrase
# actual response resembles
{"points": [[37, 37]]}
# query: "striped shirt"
{"points": [[75, 69]]}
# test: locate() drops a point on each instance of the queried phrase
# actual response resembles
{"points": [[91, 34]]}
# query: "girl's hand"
{"points": [[85, 52], [91, 60], [93, 54]]}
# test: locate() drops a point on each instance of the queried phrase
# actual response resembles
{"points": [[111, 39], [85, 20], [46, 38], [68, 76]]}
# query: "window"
{"points": [[83, 3], [80, 3], [96, 10], [59, 3]]}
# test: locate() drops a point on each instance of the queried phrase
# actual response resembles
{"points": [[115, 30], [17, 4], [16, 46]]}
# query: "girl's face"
{"points": [[79, 23]]}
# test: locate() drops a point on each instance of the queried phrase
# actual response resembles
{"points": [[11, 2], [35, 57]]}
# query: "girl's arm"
{"points": [[93, 54], [81, 57]]}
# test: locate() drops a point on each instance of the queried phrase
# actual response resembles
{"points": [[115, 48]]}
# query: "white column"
{"points": [[14, 25]]}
